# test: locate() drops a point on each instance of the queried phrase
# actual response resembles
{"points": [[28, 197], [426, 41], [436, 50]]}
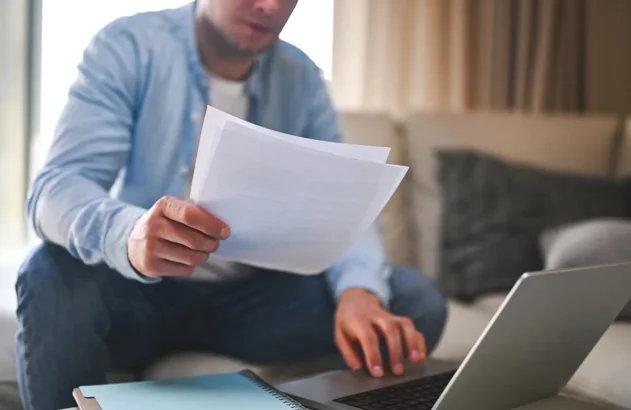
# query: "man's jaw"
{"points": [[242, 45]]}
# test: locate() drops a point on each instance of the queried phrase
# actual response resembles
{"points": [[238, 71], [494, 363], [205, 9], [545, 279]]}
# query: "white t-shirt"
{"points": [[230, 97]]}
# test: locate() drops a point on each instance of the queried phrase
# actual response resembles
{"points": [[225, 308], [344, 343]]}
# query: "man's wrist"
{"points": [[116, 237], [355, 292], [350, 277]]}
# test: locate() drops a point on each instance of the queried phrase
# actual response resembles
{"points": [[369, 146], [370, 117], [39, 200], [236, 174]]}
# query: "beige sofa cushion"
{"points": [[8, 325], [623, 157], [464, 326], [605, 374], [380, 130], [580, 145]]}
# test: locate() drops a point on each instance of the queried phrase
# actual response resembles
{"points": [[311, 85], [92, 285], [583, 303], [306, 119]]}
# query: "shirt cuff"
{"points": [[115, 243], [357, 278]]}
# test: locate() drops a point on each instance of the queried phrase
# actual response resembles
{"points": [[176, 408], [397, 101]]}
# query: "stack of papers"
{"points": [[293, 204]]}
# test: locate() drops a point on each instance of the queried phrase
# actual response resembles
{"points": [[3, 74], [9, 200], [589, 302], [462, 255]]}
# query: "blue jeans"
{"points": [[78, 322]]}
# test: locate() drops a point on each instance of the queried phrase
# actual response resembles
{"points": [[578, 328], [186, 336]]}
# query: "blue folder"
{"points": [[232, 391]]}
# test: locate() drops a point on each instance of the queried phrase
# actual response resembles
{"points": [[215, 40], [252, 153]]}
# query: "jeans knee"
{"points": [[49, 281], [41, 272], [437, 316], [417, 297]]}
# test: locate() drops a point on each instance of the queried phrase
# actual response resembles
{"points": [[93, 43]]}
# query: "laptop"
{"points": [[534, 344]]}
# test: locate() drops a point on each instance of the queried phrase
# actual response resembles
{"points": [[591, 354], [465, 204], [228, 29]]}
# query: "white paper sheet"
{"points": [[290, 206], [215, 120]]}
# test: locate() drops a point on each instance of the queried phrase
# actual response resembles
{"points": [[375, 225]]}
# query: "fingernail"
{"points": [[225, 233], [377, 371], [415, 355], [398, 369]]}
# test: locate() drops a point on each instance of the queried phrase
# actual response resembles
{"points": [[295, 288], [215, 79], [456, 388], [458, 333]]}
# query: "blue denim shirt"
{"points": [[128, 132]]}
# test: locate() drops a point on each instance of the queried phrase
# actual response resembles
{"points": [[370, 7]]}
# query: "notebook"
{"points": [[243, 390]]}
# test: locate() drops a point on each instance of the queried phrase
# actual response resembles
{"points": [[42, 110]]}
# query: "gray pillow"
{"points": [[494, 213], [588, 243]]}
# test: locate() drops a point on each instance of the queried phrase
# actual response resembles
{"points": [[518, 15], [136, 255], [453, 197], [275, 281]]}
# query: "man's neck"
{"points": [[217, 54]]}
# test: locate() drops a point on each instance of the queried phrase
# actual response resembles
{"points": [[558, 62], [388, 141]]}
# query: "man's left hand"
{"points": [[360, 322]]}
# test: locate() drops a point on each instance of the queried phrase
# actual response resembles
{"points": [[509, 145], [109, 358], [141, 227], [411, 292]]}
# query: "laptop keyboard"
{"points": [[419, 394]]}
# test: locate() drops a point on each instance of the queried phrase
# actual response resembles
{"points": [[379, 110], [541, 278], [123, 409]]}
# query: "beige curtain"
{"points": [[397, 55], [543, 56]]}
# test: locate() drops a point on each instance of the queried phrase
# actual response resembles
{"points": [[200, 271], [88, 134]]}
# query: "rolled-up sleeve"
{"points": [[69, 202], [365, 264]]}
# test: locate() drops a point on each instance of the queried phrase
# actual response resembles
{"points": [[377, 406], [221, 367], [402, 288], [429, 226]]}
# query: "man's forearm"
{"points": [[72, 211]]}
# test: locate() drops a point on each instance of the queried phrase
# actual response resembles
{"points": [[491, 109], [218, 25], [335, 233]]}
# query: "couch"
{"points": [[591, 146]]}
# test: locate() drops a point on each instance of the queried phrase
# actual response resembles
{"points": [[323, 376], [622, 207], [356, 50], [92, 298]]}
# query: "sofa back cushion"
{"points": [[381, 130], [494, 213], [623, 154], [576, 145]]}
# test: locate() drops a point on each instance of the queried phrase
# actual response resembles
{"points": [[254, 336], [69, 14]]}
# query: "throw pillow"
{"points": [[589, 243], [494, 212]]}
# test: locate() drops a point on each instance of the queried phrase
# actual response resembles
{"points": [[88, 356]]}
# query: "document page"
{"points": [[290, 207], [215, 120]]}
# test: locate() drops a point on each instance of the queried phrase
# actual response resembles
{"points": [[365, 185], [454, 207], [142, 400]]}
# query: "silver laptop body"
{"points": [[534, 344]]}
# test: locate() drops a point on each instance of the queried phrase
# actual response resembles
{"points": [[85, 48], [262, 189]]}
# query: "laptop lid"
{"points": [[539, 337]]}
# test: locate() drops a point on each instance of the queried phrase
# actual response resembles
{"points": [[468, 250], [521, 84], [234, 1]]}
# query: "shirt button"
{"points": [[184, 169], [195, 117]]}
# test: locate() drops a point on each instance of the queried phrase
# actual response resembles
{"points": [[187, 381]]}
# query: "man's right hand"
{"points": [[173, 237]]}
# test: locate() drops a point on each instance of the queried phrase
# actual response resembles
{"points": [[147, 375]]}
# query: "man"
{"points": [[126, 273]]}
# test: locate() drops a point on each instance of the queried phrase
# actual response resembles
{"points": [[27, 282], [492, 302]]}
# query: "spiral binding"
{"points": [[288, 401]]}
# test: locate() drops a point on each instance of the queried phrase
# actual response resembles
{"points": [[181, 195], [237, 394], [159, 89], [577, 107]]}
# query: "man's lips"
{"points": [[258, 28]]}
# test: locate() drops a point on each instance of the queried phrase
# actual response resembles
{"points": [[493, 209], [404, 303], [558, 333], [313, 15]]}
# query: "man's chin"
{"points": [[254, 48], [244, 46]]}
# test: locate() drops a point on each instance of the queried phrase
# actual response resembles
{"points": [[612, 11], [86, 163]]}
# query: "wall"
{"points": [[13, 120]]}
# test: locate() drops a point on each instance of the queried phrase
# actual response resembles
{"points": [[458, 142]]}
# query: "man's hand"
{"points": [[361, 320], [173, 237]]}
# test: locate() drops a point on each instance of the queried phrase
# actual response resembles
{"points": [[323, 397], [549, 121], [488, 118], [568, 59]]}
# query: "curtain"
{"points": [[399, 55]]}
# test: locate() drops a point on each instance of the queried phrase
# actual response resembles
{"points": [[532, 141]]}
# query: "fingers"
{"points": [[347, 349], [193, 216], [391, 330], [178, 233], [172, 238], [369, 342], [177, 253], [159, 267], [163, 258], [413, 339], [400, 331], [423, 347]]}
